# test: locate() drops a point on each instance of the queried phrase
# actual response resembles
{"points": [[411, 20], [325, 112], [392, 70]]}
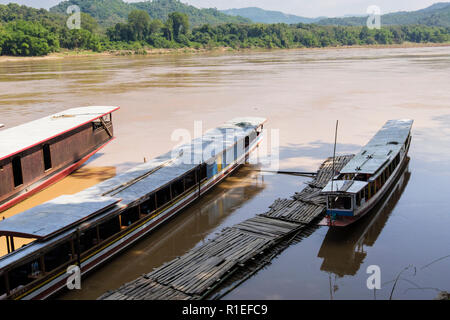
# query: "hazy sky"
{"points": [[308, 8]]}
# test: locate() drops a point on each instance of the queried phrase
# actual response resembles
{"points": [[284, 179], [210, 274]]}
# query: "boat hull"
{"points": [[50, 180]]}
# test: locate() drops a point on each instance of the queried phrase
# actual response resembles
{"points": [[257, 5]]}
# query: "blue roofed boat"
{"points": [[363, 182], [89, 228]]}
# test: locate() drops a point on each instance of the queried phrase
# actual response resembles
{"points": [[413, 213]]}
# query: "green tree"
{"points": [[25, 38], [139, 22], [89, 23], [155, 26], [177, 24]]}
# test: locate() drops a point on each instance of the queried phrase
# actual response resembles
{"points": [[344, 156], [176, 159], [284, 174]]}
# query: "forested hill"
{"points": [[437, 15], [110, 12], [266, 16]]}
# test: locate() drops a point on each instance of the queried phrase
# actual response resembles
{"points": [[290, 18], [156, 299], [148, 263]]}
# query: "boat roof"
{"points": [[17, 139], [118, 191], [383, 147], [347, 186], [55, 216], [35, 246]]}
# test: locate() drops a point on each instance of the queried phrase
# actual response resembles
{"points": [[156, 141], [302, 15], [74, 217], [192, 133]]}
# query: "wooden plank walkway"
{"points": [[201, 271]]}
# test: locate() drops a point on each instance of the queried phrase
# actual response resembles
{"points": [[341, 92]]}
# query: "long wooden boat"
{"points": [[344, 249], [363, 182], [39, 153], [92, 226]]}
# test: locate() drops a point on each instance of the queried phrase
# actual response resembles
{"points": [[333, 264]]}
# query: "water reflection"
{"points": [[343, 249]]}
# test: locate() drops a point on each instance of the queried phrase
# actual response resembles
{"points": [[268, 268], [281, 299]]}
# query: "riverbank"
{"points": [[152, 51]]}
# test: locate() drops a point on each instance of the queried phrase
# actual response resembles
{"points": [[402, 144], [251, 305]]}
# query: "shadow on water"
{"points": [[343, 249]]}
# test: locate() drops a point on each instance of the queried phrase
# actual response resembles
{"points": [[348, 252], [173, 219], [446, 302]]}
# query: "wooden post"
{"points": [[42, 261], [78, 248], [106, 127], [97, 229], [72, 247], [7, 244], [12, 244]]}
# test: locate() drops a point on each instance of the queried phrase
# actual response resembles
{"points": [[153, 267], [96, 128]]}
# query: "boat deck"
{"points": [[200, 272]]}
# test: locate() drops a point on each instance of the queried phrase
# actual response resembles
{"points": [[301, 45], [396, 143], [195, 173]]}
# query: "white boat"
{"points": [[365, 179]]}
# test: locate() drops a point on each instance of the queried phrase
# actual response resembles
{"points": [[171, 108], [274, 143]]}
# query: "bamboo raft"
{"points": [[200, 272]]}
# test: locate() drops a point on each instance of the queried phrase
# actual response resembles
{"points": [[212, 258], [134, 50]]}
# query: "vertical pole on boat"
{"points": [[334, 157], [78, 248]]}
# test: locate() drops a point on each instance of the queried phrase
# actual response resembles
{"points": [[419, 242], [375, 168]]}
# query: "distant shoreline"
{"points": [[151, 52]]}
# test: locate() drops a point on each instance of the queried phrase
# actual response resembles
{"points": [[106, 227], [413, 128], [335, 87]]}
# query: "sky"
{"points": [[306, 8]]}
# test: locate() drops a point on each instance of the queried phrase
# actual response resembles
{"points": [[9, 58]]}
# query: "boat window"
{"points": [[96, 125], [21, 276], [47, 157], [163, 197], [247, 142], [88, 239], [358, 199], [224, 160], [340, 202], [212, 170], [149, 205], [109, 228], [130, 216], [203, 172], [58, 256], [17, 171], [107, 118], [178, 188], [366, 193], [189, 180]]}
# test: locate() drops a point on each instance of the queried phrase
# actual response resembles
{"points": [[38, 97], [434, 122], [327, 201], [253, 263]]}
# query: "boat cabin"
{"points": [[38, 153]]}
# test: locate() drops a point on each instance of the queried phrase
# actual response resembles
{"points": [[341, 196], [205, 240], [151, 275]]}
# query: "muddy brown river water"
{"points": [[301, 93]]}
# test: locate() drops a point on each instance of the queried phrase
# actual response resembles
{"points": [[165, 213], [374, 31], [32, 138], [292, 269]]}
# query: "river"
{"points": [[302, 93]]}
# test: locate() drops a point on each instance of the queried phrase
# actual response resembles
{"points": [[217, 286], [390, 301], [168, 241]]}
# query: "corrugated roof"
{"points": [[20, 138], [347, 186], [385, 145], [142, 179], [54, 216]]}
